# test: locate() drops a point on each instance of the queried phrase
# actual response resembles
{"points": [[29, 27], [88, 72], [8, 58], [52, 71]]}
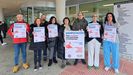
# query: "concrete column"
{"points": [[97, 12], [60, 10], [67, 13], [77, 8], [33, 14], [1, 14]]}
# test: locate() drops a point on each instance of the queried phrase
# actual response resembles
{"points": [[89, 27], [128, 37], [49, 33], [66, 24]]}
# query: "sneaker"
{"points": [[35, 68], [3, 44], [107, 68], [26, 66], [40, 67], [15, 69], [89, 67], [116, 71]]}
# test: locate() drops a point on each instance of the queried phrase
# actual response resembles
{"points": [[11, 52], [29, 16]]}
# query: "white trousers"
{"points": [[93, 52]]}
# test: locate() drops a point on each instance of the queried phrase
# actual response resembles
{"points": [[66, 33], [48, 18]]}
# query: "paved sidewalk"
{"points": [[6, 64]]}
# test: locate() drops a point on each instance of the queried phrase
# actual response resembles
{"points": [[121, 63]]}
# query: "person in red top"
{"points": [[19, 42]]}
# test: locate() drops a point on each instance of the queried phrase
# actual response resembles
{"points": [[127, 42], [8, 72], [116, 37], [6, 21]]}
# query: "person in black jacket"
{"points": [[1, 38], [80, 24], [45, 24], [52, 39], [94, 42], [61, 49], [36, 46], [4, 29]]}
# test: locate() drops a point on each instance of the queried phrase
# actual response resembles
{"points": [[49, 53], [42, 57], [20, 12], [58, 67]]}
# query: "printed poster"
{"points": [[74, 45], [39, 34]]}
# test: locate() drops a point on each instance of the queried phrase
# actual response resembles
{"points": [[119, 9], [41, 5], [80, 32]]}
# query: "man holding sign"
{"points": [[18, 31], [95, 31]]}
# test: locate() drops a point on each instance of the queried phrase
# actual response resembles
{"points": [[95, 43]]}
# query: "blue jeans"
{"points": [[108, 48], [17, 48]]}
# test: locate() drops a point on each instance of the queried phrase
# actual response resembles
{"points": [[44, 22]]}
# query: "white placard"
{"points": [[19, 30], [94, 30], [52, 30], [74, 45], [39, 34], [110, 33]]}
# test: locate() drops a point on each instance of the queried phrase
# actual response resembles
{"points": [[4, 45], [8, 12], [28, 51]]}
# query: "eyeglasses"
{"points": [[80, 15]]}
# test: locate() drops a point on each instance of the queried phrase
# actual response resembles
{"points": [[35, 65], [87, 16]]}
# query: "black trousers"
{"points": [[45, 51], [1, 39], [37, 56], [4, 33]]}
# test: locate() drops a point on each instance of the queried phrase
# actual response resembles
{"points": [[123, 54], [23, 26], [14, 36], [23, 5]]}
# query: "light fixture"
{"points": [[85, 11], [106, 5]]}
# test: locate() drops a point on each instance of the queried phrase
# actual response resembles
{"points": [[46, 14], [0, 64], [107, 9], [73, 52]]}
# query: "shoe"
{"points": [[68, 63], [26, 66], [89, 67], [54, 60], [40, 66], [63, 65], [50, 62], [3, 44], [35, 68], [96, 67], [107, 68], [15, 69], [83, 61], [4, 37], [116, 71], [76, 62]]}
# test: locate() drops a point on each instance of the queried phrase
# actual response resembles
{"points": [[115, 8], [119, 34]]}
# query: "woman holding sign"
{"points": [[37, 44], [95, 31], [111, 43], [53, 30], [61, 52], [18, 31]]}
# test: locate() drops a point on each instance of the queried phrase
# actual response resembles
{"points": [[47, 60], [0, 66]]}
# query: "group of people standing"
{"points": [[55, 44]]}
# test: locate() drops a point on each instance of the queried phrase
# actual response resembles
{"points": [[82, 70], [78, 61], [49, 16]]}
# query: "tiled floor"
{"points": [[6, 64], [125, 69]]}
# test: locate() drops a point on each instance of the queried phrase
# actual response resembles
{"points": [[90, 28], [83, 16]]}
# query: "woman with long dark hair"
{"points": [[111, 45], [52, 39]]}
